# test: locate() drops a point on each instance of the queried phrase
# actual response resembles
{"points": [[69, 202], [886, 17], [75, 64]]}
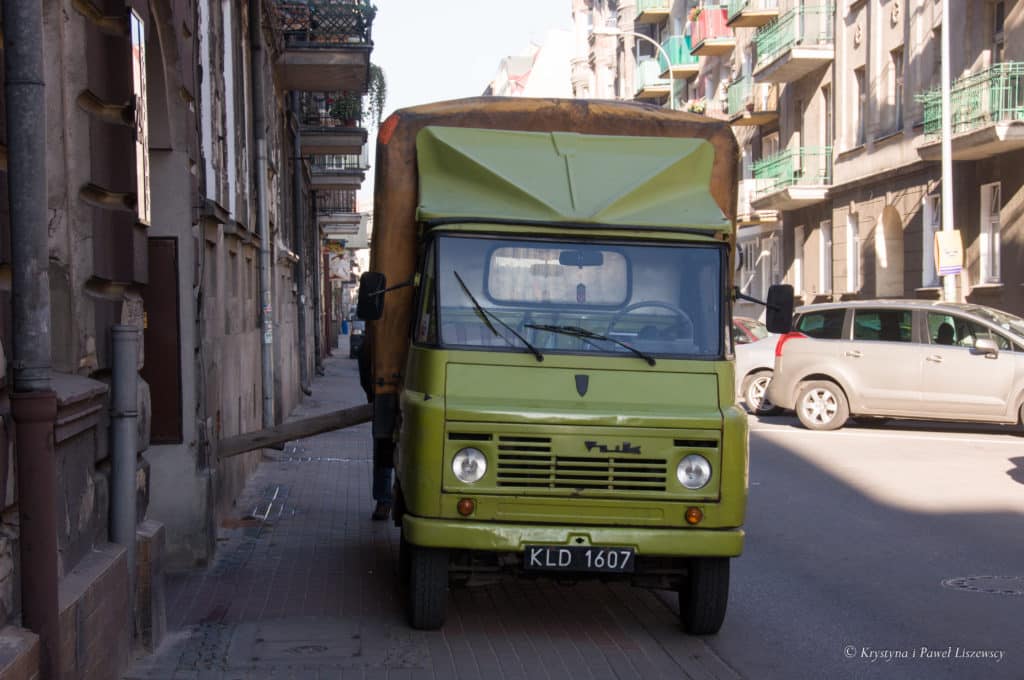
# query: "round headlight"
{"points": [[694, 472], [469, 465]]}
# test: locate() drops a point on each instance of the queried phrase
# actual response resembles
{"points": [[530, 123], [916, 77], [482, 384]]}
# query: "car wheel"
{"points": [[704, 594], [755, 394], [821, 405], [428, 586]]}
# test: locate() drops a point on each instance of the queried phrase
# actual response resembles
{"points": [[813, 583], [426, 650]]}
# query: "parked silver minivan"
{"points": [[900, 359]]}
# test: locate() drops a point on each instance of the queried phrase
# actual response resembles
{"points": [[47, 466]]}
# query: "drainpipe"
{"points": [[124, 434], [33, 402], [315, 259], [260, 142], [299, 270]]}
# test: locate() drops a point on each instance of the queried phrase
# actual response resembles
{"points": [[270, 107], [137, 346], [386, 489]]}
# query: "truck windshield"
{"points": [[651, 300]]}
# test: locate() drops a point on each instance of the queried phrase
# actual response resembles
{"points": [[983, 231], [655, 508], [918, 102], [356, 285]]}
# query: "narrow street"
{"points": [[851, 535]]}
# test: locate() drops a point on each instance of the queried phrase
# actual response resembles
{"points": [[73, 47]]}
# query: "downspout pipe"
{"points": [[314, 243], [124, 441], [299, 270], [259, 127], [33, 402]]}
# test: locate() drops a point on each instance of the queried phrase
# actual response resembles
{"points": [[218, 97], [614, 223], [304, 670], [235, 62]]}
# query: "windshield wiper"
{"points": [[486, 315], [590, 336]]}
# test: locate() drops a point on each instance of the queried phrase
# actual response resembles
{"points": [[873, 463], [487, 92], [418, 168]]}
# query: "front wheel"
{"points": [[755, 394], [704, 594], [428, 586], [821, 405]]}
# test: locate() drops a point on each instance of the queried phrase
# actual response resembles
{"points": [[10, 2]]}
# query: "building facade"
{"points": [[190, 147]]}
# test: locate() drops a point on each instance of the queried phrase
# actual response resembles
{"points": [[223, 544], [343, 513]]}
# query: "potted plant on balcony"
{"points": [[376, 94], [695, 13], [347, 108], [697, 105]]}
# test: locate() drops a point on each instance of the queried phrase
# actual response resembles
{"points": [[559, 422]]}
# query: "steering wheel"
{"points": [[684, 318]]}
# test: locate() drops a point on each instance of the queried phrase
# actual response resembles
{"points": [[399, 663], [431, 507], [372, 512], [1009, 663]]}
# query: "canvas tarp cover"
{"points": [[566, 177]]}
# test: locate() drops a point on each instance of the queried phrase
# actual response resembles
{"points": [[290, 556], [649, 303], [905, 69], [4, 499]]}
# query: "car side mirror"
{"points": [[779, 313], [370, 306], [986, 346]]}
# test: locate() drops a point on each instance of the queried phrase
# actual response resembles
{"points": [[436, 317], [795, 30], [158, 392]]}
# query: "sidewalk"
{"points": [[304, 586]]}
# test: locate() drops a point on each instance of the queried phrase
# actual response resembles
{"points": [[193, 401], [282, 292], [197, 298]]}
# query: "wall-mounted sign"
{"points": [[949, 252]]}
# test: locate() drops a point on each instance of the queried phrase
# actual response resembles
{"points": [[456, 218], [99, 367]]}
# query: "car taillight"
{"points": [[784, 338]]}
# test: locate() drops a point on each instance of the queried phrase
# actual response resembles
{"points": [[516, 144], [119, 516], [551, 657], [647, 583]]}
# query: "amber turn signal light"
{"points": [[466, 507], [694, 515]]}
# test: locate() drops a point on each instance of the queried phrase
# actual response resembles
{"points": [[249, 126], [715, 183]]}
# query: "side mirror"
{"points": [[370, 306], [779, 315], [986, 346]]}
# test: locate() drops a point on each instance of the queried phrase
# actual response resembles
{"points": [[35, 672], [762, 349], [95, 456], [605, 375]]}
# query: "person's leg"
{"points": [[382, 471]]}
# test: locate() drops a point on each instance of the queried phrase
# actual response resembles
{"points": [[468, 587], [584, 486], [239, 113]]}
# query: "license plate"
{"points": [[579, 558]]}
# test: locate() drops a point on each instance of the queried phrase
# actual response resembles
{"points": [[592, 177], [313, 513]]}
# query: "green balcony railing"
{"points": [[677, 47], [806, 26], [803, 166], [326, 24], [648, 74], [737, 6], [738, 93], [653, 6], [989, 96]]}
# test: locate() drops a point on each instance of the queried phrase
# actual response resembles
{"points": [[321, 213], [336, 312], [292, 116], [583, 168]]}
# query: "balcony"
{"points": [[712, 108], [745, 213], [792, 179], [649, 83], [752, 13], [338, 171], [324, 44], [652, 11], [682, 64], [709, 34], [987, 114], [336, 208], [326, 128], [753, 103], [794, 45]]}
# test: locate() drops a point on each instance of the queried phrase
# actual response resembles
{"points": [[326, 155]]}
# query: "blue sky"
{"points": [[432, 51]]}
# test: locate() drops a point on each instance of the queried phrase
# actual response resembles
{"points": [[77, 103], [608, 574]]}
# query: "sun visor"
{"points": [[481, 174]]}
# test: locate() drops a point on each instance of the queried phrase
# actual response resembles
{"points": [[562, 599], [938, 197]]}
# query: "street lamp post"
{"points": [[613, 30]]}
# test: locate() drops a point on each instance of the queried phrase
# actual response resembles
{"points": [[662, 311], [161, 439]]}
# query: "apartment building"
{"points": [[836, 107], [170, 204]]}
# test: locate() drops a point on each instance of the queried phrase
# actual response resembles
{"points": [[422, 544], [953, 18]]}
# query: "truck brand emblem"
{"points": [[625, 447], [582, 383]]}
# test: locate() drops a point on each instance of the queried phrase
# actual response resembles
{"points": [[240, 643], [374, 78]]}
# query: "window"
{"points": [[826, 324], [852, 253], [798, 259], [896, 86], [826, 97], [991, 204], [887, 325], [860, 110], [998, 26], [770, 145], [957, 331], [931, 217], [825, 257]]}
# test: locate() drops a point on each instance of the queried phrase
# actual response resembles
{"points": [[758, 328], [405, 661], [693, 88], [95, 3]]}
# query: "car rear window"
{"points": [[826, 324]]}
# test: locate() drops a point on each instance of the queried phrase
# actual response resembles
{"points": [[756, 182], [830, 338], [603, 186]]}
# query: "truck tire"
{"points": [[428, 586], [703, 595], [821, 405]]}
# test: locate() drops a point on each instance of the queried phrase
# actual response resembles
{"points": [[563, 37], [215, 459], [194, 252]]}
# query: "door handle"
{"points": [[856, 354], [935, 359]]}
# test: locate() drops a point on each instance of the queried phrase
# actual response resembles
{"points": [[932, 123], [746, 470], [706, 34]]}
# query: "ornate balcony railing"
{"points": [[805, 26], [677, 47], [334, 163], [802, 166], [326, 24], [335, 202], [992, 95]]}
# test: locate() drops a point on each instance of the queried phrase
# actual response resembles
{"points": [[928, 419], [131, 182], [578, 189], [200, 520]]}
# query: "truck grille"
{"points": [[529, 462]]}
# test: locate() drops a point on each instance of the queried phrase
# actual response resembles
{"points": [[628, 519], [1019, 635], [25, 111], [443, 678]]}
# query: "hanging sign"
{"points": [[949, 252]]}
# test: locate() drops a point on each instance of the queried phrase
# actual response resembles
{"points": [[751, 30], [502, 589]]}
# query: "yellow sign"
{"points": [[949, 252]]}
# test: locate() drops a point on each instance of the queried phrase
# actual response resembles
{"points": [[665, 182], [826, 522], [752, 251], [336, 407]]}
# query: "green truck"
{"points": [[550, 364]]}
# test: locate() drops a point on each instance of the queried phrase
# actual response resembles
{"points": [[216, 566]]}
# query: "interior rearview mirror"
{"points": [[581, 258], [779, 314], [370, 306]]}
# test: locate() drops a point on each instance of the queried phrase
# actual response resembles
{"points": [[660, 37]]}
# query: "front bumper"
{"points": [[504, 537]]}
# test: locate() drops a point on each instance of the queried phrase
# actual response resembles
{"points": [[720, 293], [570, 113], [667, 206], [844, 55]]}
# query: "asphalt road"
{"points": [[872, 552]]}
